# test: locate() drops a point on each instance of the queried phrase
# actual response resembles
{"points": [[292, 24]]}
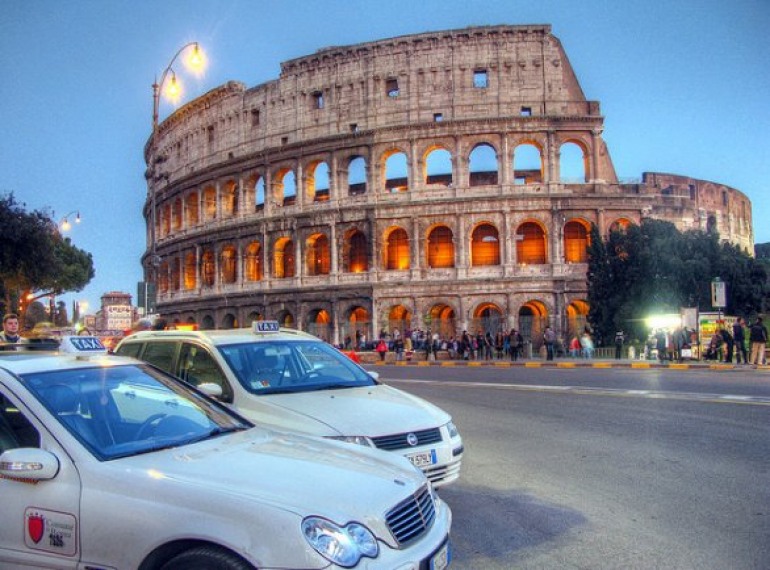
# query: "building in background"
{"points": [[116, 315], [443, 181]]}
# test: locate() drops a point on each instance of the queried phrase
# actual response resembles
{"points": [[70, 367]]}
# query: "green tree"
{"points": [[34, 257]]}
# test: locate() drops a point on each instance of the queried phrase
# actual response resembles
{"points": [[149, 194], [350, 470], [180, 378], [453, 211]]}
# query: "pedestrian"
{"points": [[660, 344], [758, 340], [574, 347], [382, 349], [587, 344], [729, 343], [739, 337], [549, 337], [10, 335], [620, 338]]}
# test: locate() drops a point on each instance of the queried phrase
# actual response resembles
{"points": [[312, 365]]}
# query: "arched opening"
{"points": [[259, 195], [357, 176], [255, 316], [190, 271], [284, 260], [397, 250], [163, 277], [191, 210], [165, 220], [483, 165], [207, 323], [320, 324], [399, 319], [533, 318], [488, 318], [527, 164], [438, 167], [441, 248], [575, 242], [253, 262], [358, 327], [177, 215], [285, 319], [228, 265], [396, 179], [176, 274], [620, 225], [318, 182], [208, 269], [229, 197], [209, 204], [441, 319], [577, 318], [485, 246], [229, 321], [357, 253], [317, 255], [573, 165], [530, 244]]}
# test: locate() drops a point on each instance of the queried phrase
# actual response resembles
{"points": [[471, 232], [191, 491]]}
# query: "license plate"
{"points": [[442, 558], [423, 458]]}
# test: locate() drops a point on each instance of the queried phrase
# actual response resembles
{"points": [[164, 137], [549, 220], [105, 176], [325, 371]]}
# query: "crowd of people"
{"points": [[729, 344]]}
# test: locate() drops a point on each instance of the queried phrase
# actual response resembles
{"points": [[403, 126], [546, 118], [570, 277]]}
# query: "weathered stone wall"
{"points": [[219, 170]]}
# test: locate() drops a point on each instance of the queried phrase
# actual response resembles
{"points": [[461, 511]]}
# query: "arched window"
{"points": [[176, 274], [441, 248], [163, 277], [259, 194], [527, 164], [575, 242], [317, 255], [357, 176], [318, 182], [177, 215], [191, 210], [253, 262], [228, 265], [396, 179], [573, 166], [485, 246], [209, 204], [483, 165], [190, 273], [208, 268], [230, 199], [530, 244], [284, 261], [358, 256], [438, 167], [397, 256]]}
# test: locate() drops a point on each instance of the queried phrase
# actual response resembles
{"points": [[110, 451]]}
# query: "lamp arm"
{"points": [[158, 85]]}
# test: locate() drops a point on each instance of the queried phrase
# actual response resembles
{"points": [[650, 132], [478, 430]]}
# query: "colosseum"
{"points": [[444, 181]]}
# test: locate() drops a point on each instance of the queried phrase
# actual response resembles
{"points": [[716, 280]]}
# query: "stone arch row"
{"points": [[319, 253], [328, 176]]}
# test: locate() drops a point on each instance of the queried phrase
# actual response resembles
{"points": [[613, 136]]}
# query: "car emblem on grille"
{"points": [[411, 439]]}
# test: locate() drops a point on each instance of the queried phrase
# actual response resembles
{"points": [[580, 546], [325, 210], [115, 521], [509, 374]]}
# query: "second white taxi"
{"points": [[294, 381], [108, 463]]}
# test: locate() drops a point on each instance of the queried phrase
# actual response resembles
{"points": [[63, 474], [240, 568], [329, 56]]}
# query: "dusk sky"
{"points": [[684, 86]]}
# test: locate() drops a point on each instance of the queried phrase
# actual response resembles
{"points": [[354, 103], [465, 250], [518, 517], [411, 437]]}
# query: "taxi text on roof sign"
{"points": [[82, 345], [266, 327]]}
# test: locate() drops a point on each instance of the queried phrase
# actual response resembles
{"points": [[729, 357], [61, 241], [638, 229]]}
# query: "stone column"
{"points": [[334, 252]]}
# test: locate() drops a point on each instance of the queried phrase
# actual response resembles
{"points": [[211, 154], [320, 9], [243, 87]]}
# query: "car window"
{"points": [[292, 366], [131, 349], [197, 366], [15, 429], [161, 354], [117, 411]]}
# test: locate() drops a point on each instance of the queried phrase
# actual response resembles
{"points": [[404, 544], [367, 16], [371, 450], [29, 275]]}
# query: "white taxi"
{"points": [[294, 381], [108, 463]]}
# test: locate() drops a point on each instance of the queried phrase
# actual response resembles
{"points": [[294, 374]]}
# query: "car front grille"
{"points": [[412, 517], [399, 440]]}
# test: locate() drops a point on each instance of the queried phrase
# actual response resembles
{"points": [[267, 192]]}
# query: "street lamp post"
{"points": [[194, 62], [65, 224]]}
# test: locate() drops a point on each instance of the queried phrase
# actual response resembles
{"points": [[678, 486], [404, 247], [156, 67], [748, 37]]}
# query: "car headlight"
{"points": [[452, 429], [341, 545], [358, 439]]}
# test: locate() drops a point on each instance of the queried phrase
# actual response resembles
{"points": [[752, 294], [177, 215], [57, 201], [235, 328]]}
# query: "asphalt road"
{"points": [[621, 468]]}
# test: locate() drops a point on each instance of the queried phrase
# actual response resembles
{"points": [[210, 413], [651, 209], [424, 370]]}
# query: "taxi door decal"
{"points": [[50, 531]]}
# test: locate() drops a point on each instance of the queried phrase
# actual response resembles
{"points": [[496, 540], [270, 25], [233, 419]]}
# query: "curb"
{"points": [[598, 364]]}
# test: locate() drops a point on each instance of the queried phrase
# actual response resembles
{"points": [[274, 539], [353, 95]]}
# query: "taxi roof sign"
{"points": [[265, 327], [82, 345]]}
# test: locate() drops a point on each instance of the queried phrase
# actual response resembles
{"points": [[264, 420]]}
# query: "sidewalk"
{"points": [[373, 359]]}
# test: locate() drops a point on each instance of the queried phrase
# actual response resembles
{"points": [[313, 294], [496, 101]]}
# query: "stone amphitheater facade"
{"points": [[414, 182]]}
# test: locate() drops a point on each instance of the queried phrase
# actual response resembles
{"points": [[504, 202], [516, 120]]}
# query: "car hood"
{"points": [[369, 410], [296, 473]]}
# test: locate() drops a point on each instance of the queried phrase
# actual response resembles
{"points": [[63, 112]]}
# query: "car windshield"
{"points": [[118, 411], [275, 367]]}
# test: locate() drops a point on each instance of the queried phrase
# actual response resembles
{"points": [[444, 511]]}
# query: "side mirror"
{"points": [[210, 389], [28, 463], [375, 375]]}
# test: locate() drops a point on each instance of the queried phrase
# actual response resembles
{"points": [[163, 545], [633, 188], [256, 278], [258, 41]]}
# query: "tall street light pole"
{"points": [[195, 62]]}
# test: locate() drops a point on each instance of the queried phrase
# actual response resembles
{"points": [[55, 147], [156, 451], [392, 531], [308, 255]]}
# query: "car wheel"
{"points": [[207, 558]]}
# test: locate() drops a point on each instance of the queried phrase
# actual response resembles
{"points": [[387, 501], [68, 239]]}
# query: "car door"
{"points": [[197, 366], [40, 519]]}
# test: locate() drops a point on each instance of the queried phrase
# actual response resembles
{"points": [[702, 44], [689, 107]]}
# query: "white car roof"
{"points": [[223, 337]]}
